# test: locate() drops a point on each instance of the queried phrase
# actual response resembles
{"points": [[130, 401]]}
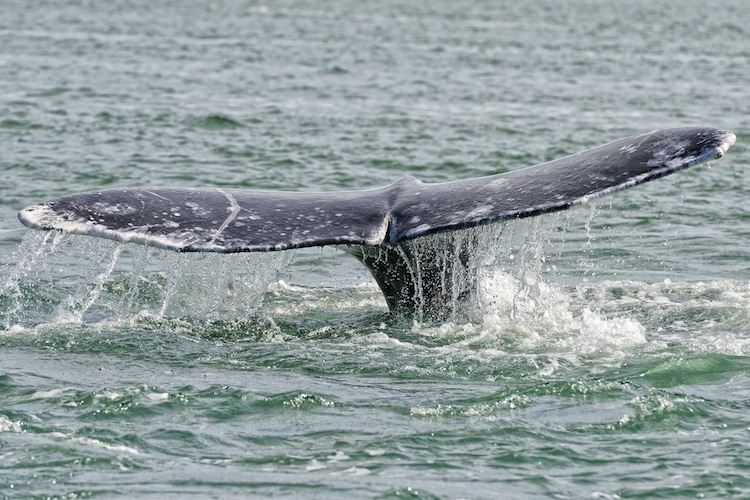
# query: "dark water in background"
{"points": [[612, 359]]}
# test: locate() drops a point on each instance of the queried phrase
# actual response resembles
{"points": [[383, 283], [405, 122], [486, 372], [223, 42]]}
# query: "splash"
{"points": [[500, 299], [490, 278], [67, 278]]}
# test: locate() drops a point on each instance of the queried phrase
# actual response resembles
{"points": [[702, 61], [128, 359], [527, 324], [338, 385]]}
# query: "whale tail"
{"points": [[383, 228]]}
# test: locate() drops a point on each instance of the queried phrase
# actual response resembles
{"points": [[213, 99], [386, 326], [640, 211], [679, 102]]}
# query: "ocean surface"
{"points": [[611, 358]]}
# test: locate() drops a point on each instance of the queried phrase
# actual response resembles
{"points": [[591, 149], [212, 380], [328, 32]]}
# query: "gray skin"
{"points": [[380, 227]]}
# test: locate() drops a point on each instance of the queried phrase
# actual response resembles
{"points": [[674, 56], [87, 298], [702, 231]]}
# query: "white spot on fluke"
{"points": [[480, 211]]}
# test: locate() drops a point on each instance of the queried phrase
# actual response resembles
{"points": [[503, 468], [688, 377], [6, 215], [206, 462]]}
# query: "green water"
{"points": [[611, 358]]}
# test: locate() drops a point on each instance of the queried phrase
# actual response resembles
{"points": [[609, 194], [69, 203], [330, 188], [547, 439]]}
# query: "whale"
{"points": [[383, 228]]}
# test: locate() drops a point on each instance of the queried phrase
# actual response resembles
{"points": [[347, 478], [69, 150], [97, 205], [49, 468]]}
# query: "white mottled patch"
{"points": [[197, 209], [117, 209], [480, 211], [670, 155]]}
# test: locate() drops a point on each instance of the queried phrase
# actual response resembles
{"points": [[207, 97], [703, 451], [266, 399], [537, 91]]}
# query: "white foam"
{"points": [[541, 315], [8, 425]]}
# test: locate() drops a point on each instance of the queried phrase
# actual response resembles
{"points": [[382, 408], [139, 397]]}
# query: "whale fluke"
{"points": [[374, 225]]}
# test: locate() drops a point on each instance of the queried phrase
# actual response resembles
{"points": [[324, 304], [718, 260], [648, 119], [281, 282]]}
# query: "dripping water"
{"points": [[74, 278], [70, 278], [450, 270]]}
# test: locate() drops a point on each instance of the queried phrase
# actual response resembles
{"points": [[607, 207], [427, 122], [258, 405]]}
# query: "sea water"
{"points": [[610, 354]]}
